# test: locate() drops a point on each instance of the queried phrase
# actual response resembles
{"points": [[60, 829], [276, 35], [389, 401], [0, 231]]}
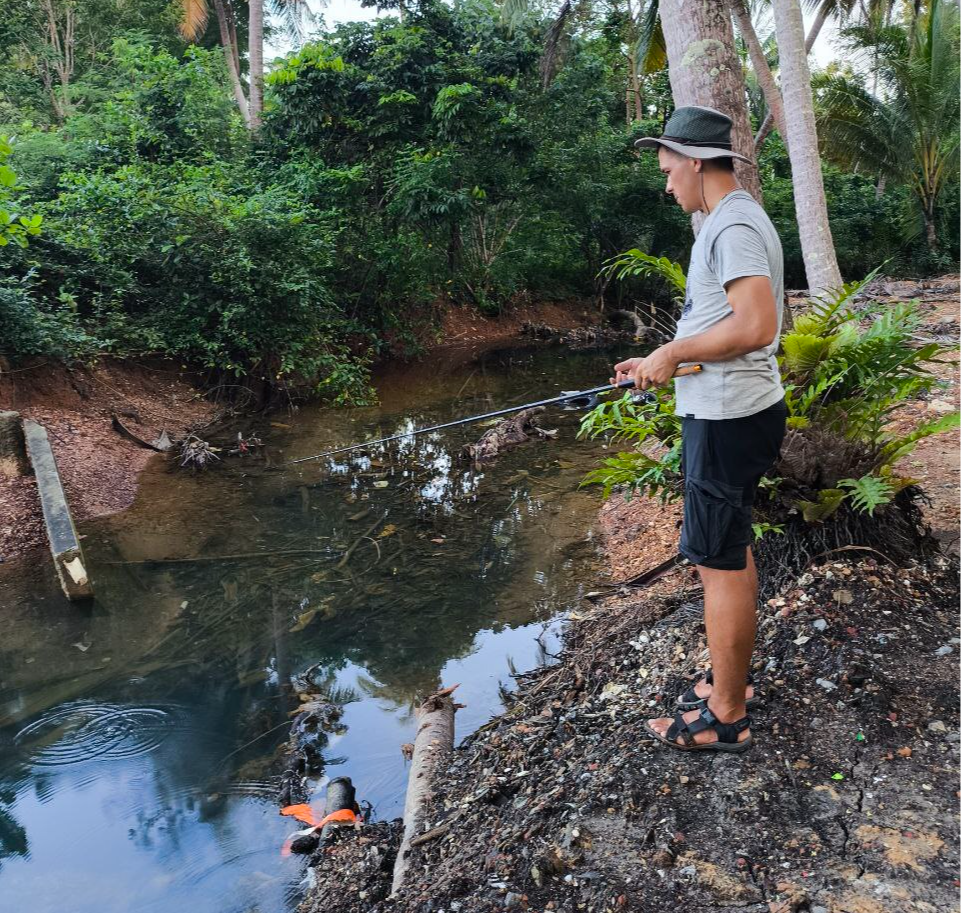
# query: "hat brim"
{"points": [[691, 152]]}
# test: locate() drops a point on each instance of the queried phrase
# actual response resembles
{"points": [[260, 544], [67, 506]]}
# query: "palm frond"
{"points": [[860, 132], [513, 13], [651, 50], [294, 16], [193, 18]]}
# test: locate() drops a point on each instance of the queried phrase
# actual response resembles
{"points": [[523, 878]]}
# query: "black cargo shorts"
{"points": [[723, 460]]}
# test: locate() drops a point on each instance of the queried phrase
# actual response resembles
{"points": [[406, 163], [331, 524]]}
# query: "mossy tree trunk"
{"points": [[705, 70]]}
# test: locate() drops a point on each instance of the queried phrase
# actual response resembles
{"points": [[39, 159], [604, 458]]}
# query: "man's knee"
{"points": [[719, 578]]}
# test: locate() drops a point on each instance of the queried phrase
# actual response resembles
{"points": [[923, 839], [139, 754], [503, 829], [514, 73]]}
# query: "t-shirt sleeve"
{"points": [[739, 251]]}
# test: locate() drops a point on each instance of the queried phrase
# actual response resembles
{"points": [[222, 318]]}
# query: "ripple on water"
{"points": [[89, 730]]}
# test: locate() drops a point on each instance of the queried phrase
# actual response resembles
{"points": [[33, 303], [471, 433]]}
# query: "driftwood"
{"points": [[507, 433], [645, 578], [432, 746], [160, 445], [635, 319]]}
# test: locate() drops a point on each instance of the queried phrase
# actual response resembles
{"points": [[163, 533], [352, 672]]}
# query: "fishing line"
{"points": [[564, 397]]}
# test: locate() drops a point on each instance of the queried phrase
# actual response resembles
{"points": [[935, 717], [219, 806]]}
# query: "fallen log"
{"points": [[65, 547], [432, 745], [507, 433]]}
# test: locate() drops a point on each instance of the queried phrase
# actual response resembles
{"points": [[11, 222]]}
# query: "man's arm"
{"points": [[752, 326]]}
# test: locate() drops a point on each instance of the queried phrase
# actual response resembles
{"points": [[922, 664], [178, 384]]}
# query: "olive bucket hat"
{"points": [[698, 133]]}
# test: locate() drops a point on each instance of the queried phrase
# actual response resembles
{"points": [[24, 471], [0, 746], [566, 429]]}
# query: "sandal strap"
{"points": [[680, 727], [726, 732]]}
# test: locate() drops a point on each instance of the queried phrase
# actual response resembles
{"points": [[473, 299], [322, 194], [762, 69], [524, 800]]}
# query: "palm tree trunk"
{"points": [[817, 245], [816, 26], [930, 231], [763, 72], [767, 125], [232, 24], [705, 70], [255, 41], [636, 89], [230, 54]]}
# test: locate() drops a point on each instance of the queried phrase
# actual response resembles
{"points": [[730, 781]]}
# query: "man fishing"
{"points": [[733, 412]]}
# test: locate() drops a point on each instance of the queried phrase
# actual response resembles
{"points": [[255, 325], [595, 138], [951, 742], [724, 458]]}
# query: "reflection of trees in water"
{"points": [[434, 572], [13, 836]]}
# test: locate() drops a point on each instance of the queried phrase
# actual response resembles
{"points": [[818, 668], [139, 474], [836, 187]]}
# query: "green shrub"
{"points": [[195, 262], [28, 329]]}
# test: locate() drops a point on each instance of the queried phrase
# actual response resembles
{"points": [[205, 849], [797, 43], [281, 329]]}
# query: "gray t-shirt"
{"points": [[737, 239]]}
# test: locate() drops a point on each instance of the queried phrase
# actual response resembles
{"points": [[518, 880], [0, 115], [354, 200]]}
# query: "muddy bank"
{"points": [[99, 468]]}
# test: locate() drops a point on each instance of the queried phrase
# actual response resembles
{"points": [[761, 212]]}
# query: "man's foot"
{"points": [[699, 728], [703, 689]]}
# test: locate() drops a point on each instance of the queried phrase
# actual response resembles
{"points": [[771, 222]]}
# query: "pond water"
{"points": [[137, 734]]}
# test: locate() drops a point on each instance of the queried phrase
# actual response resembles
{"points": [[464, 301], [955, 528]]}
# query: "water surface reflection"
{"points": [[138, 736]]}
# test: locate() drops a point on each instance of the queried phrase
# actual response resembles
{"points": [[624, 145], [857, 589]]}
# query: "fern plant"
{"points": [[649, 426]]}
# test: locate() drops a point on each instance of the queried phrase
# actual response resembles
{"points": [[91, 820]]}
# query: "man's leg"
{"points": [[730, 616]]}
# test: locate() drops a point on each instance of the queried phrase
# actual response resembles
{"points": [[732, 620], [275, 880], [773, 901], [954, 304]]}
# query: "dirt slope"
{"points": [[99, 468]]}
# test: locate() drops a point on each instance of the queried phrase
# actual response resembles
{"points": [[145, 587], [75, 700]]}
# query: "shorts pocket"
{"points": [[717, 523]]}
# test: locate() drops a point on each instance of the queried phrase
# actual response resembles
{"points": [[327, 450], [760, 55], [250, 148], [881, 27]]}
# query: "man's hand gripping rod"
{"points": [[565, 397]]}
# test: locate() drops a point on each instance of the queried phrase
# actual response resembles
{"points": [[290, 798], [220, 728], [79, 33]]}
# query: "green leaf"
{"points": [[761, 529], [869, 492], [829, 500], [636, 263], [894, 450], [803, 352]]}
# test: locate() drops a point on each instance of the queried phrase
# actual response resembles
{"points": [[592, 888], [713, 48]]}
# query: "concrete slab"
{"points": [[64, 543]]}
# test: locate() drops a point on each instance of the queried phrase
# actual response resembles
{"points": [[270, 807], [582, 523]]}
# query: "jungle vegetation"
{"points": [[446, 154]]}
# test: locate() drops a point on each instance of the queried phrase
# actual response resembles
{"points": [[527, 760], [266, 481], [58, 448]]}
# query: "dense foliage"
{"points": [[401, 164]]}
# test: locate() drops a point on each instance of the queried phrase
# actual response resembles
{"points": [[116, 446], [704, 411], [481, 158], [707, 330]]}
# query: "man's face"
{"points": [[683, 178]]}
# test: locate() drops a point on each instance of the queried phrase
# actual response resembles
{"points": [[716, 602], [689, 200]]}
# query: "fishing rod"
{"points": [[564, 397]]}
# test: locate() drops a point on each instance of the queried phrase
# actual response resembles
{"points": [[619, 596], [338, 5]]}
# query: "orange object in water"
{"points": [[302, 813], [306, 814], [346, 815]]}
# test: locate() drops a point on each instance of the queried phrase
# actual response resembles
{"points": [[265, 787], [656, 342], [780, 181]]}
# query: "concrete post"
{"points": [[64, 544]]}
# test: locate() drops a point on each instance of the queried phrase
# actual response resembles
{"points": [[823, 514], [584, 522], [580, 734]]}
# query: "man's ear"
{"points": [[698, 165]]}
